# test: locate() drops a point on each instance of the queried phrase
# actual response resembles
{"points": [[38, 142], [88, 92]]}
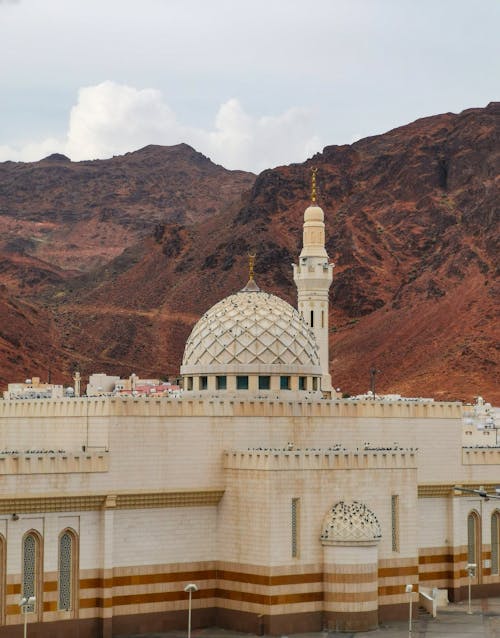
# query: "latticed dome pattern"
{"points": [[251, 328], [351, 522]]}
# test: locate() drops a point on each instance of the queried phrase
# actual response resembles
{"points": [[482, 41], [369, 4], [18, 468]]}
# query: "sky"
{"points": [[252, 84]]}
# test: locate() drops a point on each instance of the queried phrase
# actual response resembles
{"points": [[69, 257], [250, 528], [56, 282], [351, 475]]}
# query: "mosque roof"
{"points": [[251, 329]]}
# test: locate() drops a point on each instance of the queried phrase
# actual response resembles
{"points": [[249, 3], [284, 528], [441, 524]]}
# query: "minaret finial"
{"points": [[251, 285], [251, 262], [313, 184]]}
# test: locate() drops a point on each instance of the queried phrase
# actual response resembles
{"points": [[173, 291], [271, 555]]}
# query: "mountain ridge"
{"points": [[122, 258]]}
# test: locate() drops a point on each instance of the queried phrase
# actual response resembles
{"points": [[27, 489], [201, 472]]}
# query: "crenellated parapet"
{"points": [[214, 405], [281, 460], [481, 456], [54, 462]]}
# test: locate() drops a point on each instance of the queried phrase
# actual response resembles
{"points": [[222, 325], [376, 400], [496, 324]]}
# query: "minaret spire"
{"points": [[251, 263], [313, 277], [251, 285], [314, 170]]}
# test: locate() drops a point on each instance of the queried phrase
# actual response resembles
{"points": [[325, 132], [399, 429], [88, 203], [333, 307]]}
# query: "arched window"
{"points": [[68, 570], [495, 530], [474, 541], [32, 571], [3, 561]]}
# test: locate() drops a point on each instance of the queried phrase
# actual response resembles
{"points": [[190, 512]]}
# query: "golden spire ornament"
{"points": [[251, 262], [313, 184]]}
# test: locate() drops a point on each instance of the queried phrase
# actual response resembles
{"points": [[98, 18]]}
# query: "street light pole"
{"points": [[409, 590], [23, 603], [189, 589], [471, 569]]}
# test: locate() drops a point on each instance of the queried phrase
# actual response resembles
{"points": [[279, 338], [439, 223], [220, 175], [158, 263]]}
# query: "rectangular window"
{"points": [[189, 383], [284, 383], [221, 382], [242, 382], [295, 526], [264, 383], [312, 319], [322, 318], [203, 383], [395, 522], [315, 383], [302, 383]]}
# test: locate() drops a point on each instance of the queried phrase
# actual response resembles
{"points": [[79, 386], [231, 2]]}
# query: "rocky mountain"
{"points": [[114, 260]]}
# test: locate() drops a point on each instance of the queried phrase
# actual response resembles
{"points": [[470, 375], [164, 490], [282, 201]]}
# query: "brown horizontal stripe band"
{"points": [[436, 558], [261, 579], [160, 597], [351, 597], [50, 585], [444, 575], [12, 589], [365, 577], [212, 574], [279, 599], [391, 572], [391, 590]]}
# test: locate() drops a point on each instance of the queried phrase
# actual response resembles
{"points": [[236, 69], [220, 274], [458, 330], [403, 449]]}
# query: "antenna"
{"points": [[373, 374]]}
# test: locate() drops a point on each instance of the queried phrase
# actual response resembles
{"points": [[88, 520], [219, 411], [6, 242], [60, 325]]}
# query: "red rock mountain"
{"points": [[106, 265]]}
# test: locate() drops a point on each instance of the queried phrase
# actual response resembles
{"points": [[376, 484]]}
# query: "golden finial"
{"points": [[251, 262], [313, 184]]}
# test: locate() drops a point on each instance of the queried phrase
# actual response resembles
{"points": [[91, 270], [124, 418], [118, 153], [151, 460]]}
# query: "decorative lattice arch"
{"points": [[350, 522]]}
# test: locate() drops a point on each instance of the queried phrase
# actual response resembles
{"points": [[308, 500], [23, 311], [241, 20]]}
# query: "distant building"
{"points": [[33, 389], [102, 384]]}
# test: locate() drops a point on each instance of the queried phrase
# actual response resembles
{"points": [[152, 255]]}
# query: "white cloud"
{"points": [[110, 119]]}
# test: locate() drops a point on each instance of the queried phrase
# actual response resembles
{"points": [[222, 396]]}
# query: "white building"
{"points": [[290, 508]]}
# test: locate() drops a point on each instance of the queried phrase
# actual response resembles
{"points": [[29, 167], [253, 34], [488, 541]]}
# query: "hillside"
{"points": [[122, 256]]}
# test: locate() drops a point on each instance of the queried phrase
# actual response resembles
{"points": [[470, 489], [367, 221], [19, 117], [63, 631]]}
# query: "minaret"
{"points": [[77, 379], [313, 277]]}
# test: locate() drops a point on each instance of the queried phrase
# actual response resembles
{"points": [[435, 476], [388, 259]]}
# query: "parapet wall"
{"points": [[223, 406], [54, 463], [274, 460]]}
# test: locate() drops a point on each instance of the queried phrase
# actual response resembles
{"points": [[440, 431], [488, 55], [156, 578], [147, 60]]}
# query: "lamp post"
{"points": [[189, 589], [409, 590], [23, 603], [471, 571]]}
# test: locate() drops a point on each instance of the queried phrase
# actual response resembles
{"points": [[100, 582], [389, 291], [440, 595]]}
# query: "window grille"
{"points": [[2, 579], [295, 525], [30, 557], [264, 382], [65, 570], [284, 383], [221, 382], [395, 522], [242, 382], [471, 538], [494, 543]]}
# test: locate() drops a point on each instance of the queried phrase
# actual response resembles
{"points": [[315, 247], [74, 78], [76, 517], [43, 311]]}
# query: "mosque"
{"points": [[285, 507]]}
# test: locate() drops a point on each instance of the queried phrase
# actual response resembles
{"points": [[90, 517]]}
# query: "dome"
{"points": [[350, 523], [314, 214], [251, 331]]}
